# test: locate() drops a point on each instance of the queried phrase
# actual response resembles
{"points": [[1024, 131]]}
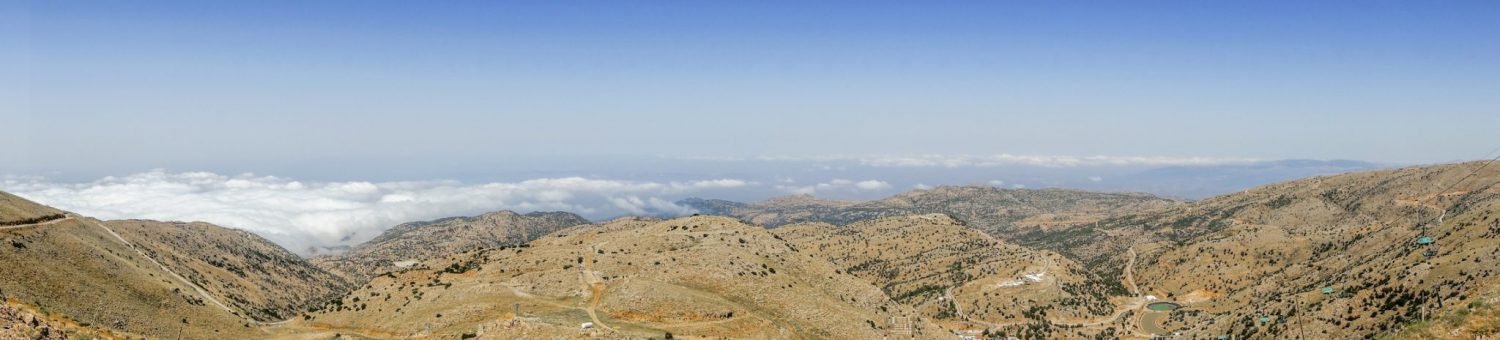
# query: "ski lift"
{"points": [[1424, 240]]}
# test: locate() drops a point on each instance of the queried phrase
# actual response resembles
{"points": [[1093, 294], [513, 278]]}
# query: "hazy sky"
{"points": [[299, 88], [319, 123]]}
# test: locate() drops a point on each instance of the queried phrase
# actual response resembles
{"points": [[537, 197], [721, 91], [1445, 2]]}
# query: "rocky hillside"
{"points": [[250, 274], [1334, 256], [79, 270], [958, 275], [19, 321], [1003, 213], [707, 277], [415, 242]]}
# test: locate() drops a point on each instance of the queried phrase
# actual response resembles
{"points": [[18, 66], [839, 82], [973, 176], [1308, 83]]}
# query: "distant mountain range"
{"points": [[1196, 182], [1358, 255]]}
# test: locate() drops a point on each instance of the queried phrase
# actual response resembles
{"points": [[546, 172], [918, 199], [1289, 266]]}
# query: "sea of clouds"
{"points": [[304, 216]]}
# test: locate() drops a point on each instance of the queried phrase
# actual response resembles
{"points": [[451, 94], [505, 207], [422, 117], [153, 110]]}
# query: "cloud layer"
{"points": [[305, 214], [836, 185], [956, 161]]}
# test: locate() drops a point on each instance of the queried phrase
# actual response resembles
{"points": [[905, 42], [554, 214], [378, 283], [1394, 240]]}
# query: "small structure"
{"points": [[1327, 290], [586, 325]]}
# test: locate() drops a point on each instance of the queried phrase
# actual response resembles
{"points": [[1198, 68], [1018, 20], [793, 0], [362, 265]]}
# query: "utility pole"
{"points": [[1301, 328]]}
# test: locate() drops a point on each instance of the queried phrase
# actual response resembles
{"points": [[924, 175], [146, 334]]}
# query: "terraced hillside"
{"points": [[250, 274], [414, 242], [707, 277]]}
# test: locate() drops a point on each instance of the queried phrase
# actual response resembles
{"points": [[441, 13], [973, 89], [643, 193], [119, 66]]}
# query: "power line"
{"points": [[1471, 174]]}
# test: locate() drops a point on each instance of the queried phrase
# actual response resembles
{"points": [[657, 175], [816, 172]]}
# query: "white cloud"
{"points": [[301, 214], [710, 184], [1003, 159], [953, 161], [921, 186], [996, 182], [872, 185], [836, 185], [1096, 179]]}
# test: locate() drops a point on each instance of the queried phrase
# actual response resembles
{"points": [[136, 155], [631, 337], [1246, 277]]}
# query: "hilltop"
{"points": [[960, 276], [1272, 251], [1003, 213], [694, 276], [410, 243], [19, 211]]}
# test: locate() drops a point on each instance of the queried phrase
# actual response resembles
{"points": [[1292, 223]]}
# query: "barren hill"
{"points": [[415, 242], [77, 270], [709, 277], [1273, 251], [960, 276], [19, 211], [1001, 212], [250, 274]]}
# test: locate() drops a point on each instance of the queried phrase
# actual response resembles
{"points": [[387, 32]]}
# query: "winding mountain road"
{"points": [[595, 286], [201, 292]]}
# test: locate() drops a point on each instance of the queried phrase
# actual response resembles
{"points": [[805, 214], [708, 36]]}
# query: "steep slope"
{"points": [[19, 211], [1477, 319], [76, 268], [1271, 251], [420, 241], [695, 276], [250, 274], [20, 321], [960, 275], [1003, 213]]}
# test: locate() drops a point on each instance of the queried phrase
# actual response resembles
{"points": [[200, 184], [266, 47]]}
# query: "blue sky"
{"points": [[357, 115], [275, 86]]}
